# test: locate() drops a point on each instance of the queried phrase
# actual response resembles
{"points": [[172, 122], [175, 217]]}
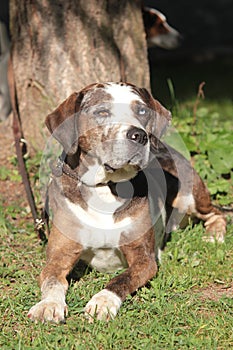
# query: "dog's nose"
{"points": [[137, 135]]}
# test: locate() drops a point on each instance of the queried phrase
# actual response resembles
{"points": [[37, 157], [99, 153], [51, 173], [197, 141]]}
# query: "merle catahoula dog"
{"points": [[114, 195]]}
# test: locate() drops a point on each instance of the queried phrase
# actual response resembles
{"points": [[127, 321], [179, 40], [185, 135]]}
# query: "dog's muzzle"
{"points": [[132, 150], [117, 154]]}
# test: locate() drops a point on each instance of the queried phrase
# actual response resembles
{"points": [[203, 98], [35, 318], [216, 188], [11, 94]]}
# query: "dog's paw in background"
{"points": [[215, 228], [102, 306]]}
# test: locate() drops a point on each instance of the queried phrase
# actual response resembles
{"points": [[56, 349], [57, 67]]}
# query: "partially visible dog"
{"points": [[114, 191], [158, 31]]}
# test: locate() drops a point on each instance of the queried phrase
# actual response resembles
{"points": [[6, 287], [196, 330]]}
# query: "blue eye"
{"points": [[142, 110]]}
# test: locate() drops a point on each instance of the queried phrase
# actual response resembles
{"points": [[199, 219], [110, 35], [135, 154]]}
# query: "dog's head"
{"points": [[158, 31], [109, 129]]}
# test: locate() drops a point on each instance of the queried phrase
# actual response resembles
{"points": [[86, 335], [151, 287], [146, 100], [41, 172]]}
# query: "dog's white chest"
{"points": [[98, 226], [102, 205], [100, 234]]}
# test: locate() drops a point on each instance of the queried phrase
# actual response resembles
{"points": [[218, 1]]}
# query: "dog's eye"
{"points": [[142, 110], [103, 113]]}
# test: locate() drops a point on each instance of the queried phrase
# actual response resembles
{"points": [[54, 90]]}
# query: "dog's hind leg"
{"points": [[62, 255], [214, 221], [189, 195]]}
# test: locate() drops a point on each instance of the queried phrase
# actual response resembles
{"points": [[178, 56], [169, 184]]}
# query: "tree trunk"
{"points": [[61, 46]]}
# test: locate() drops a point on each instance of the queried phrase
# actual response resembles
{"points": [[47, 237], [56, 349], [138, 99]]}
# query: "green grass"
{"points": [[209, 140], [203, 123], [171, 312], [188, 305]]}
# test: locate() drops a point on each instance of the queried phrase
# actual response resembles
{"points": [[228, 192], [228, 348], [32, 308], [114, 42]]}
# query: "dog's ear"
{"points": [[162, 119], [62, 122]]}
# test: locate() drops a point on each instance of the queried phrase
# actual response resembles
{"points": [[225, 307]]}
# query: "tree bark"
{"points": [[60, 46]]}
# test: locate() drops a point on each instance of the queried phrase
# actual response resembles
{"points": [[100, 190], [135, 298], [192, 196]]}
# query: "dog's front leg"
{"points": [[62, 254], [142, 266]]}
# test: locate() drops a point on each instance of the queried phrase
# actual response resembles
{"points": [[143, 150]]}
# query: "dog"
{"points": [[158, 31], [112, 195]]}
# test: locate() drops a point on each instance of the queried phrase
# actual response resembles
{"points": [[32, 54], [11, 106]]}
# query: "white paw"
{"points": [[48, 310], [215, 229], [102, 306]]}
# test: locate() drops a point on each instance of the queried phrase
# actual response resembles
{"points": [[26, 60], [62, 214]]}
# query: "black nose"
{"points": [[137, 135]]}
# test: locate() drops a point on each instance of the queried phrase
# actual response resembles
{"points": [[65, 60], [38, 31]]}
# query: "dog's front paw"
{"points": [[49, 310], [102, 306]]}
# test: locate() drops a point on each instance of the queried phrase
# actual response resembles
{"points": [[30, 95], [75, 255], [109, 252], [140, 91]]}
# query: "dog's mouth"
{"points": [[110, 171], [120, 174], [114, 162], [126, 167], [108, 168], [136, 161]]}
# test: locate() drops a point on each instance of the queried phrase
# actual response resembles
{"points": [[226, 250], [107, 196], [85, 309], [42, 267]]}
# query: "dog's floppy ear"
{"points": [[162, 119], [62, 122]]}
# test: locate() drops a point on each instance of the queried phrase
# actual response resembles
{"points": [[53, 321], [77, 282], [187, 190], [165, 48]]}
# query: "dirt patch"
{"points": [[215, 292], [10, 191], [6, 141]]}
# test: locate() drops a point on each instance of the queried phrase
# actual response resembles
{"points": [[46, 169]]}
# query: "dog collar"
{"points": [[61, 168]]}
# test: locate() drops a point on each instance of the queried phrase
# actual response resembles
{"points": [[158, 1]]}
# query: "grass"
{"points": [[171, 312], [204, 123], [188, 305]]}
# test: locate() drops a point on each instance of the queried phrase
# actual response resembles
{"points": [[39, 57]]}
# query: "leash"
{"points": [[21, 149]]}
